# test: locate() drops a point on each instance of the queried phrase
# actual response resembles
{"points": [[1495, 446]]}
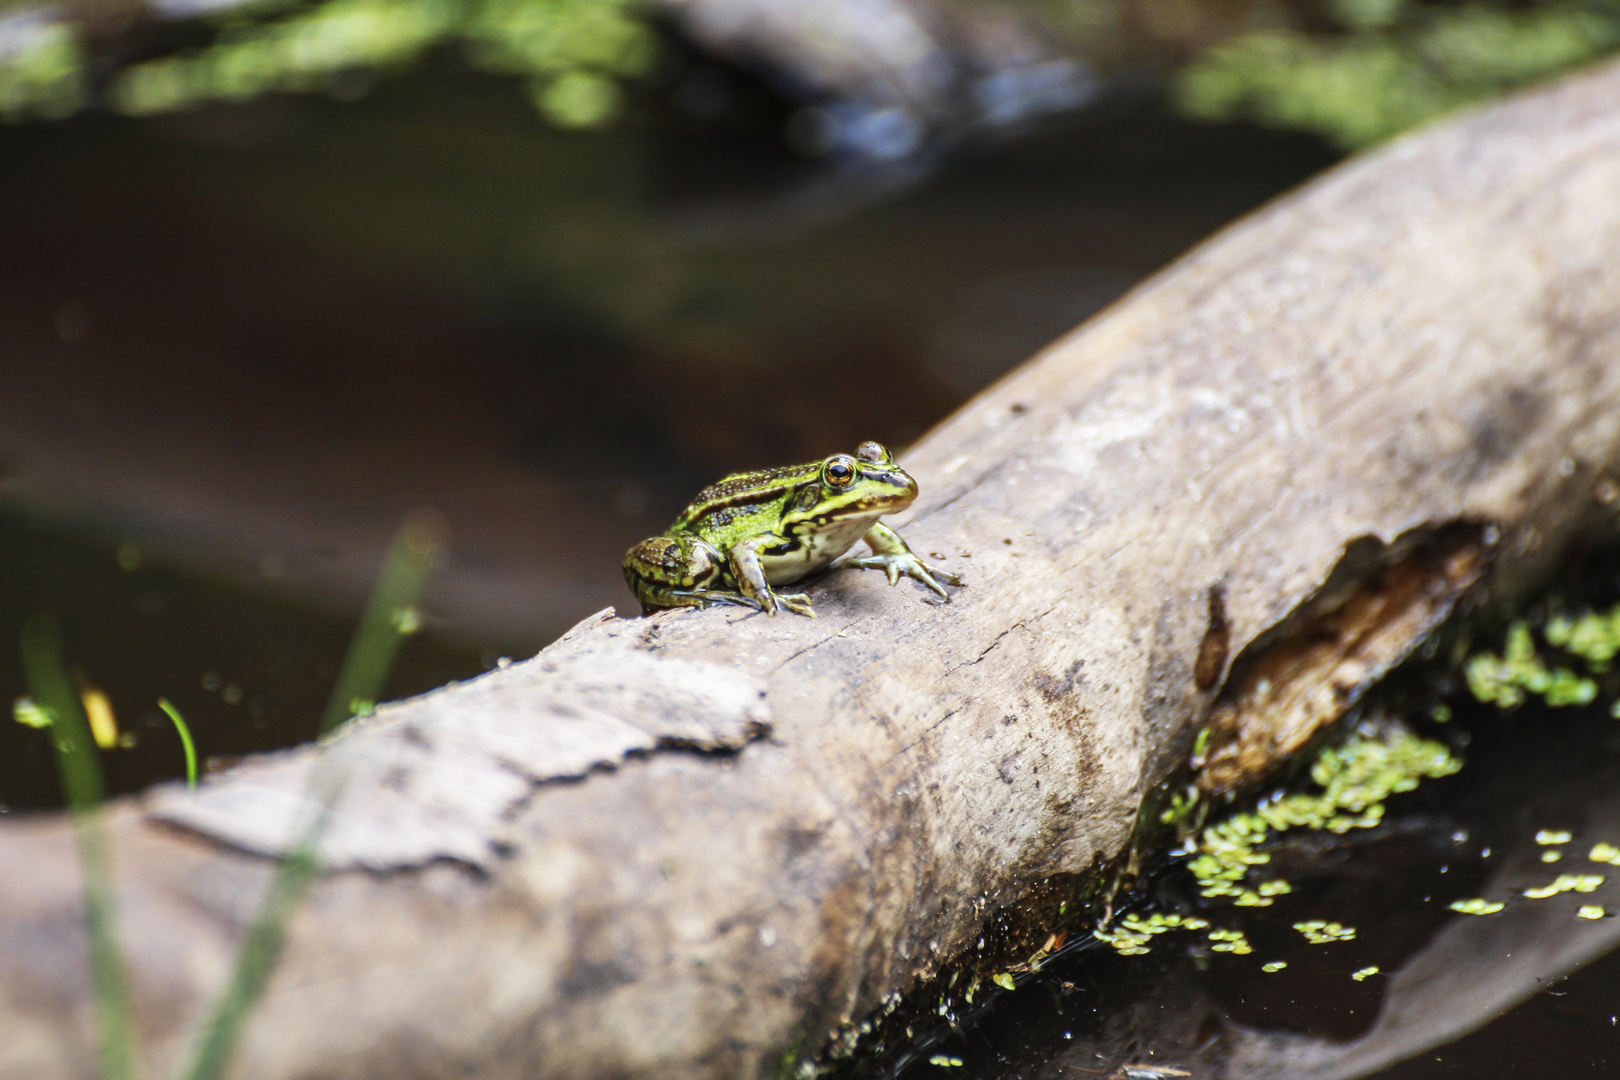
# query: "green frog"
{"points": [[758, 529]]}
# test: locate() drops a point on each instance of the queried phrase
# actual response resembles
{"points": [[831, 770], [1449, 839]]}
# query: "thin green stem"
{"points": [[185, 740], [81, 780], [391, 614]]}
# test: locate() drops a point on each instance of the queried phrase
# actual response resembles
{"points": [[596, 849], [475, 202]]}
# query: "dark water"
{"points": [[1454, 995], [245, 342]]}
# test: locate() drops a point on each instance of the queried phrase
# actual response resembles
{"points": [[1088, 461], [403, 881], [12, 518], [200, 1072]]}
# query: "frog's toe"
{"points": [[798, 603]]}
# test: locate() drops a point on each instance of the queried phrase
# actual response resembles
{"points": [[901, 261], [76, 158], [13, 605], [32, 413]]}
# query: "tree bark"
{"points": [[706, 843]]}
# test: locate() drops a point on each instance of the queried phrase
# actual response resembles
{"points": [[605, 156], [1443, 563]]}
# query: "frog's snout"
{"points": [[905, 488]]}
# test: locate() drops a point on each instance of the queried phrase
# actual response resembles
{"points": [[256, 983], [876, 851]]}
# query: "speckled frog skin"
{"points": [[758, 529]]}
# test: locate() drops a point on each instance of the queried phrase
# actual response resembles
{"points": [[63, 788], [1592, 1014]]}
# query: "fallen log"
{"points": [[707, 844]]}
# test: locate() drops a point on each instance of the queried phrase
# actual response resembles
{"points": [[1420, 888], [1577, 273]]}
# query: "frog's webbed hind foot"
{"points": [[798, 603]]}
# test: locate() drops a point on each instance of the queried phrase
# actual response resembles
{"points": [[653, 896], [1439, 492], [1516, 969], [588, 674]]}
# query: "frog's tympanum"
{"points": [[758, 529]]}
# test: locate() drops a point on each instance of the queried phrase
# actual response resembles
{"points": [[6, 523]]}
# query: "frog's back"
{"points": [[740, 490]]}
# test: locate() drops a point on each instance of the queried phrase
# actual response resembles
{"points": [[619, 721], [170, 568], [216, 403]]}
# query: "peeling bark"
{"points": [[1231, 501]]}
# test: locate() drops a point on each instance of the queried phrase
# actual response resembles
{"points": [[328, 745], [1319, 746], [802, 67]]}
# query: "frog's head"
{"points": [[870, 483]]}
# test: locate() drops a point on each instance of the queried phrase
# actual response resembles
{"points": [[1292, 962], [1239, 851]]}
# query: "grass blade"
{"points": [[185, 740], [391, 614], [81, 779]]}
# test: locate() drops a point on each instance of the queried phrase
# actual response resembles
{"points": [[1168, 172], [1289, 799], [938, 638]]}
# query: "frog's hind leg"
{"points": [[749, 574], [677, 571]]}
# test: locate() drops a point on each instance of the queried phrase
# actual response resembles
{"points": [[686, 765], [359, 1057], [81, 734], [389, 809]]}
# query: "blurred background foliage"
{"points": [[1352, 71], [1371, 68], [571, 53]]}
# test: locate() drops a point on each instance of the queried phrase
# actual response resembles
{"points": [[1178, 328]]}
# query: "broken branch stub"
{"points": [[691, 844]]}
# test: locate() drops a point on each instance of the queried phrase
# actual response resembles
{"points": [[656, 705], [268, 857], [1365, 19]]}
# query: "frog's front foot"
{"points": [[895, 564]]}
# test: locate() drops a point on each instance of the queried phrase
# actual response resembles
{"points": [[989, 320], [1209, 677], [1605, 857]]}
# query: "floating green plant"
{"points": [[1605, 853], [1273, 967], [1355, 779], [1505, 680], [1321, 932], [1582, 883], [1131, 935], [1364, 973], [1477, 906], [1589, 911], [1231, 941]]}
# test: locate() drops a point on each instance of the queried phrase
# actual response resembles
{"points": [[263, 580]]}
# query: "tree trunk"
{"points": [[708, 842]]}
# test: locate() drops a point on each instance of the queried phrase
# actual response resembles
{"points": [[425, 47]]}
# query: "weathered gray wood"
{"points": [[1234, 499]]}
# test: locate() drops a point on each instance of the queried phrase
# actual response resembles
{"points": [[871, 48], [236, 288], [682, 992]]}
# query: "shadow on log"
{"points": [[705, 843]]}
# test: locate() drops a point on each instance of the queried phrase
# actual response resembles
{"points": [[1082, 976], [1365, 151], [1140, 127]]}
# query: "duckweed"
{"points": [[1605, 853], [1551, 836], [1355, 779], [1273, 967], [1505, 680], [1589, 911], [1364, 973], [1134, 931], [1595, 637], [1582, 883], [1477, 906], [1319, 932], [1551, 856], [1231, 941]]}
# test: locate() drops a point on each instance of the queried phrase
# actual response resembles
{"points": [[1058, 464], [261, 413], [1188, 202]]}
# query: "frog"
{"points": [[755, 530]]}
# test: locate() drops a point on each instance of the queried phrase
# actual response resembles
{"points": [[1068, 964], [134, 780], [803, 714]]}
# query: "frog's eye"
{"points": [[839, 471]]}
